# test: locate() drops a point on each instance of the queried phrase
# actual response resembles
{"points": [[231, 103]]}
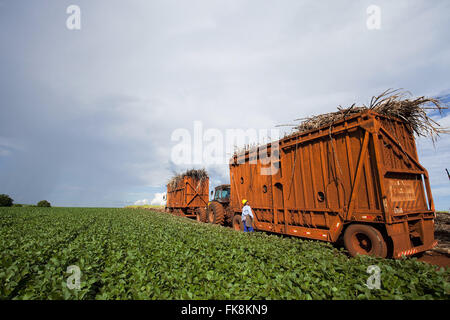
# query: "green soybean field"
{"points": [[145, 254]]}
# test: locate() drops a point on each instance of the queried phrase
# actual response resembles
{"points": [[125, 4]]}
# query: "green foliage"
{"points": [[5, 200], [143, 254], [43, 203], [17, 205]]}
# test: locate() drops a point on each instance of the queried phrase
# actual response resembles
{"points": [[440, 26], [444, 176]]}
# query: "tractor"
{"points": [[218, 210]]}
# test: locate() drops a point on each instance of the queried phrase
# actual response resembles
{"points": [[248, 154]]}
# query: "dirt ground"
{"points": [[436, 258], [440, 255]]}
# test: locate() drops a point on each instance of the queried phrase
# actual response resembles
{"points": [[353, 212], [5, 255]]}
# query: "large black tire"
{"points": [[201, 214], [216, 213], [229, 215], [366, 240], [238, 225]]}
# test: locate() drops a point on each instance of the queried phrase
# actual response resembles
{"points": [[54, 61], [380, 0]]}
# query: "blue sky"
{"points": [[87, 115]]}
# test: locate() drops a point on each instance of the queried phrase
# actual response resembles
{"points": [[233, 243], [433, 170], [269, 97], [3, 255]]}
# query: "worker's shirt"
{"points": [[246, 211]]}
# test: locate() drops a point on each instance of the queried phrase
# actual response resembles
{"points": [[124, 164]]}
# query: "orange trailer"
{"points": [[187, 195], [359, 178]]}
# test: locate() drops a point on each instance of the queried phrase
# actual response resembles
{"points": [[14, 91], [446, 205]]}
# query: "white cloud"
{"points": [[158, 199], [141, 202]]}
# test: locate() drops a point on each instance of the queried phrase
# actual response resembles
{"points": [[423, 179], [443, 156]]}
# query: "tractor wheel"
{"points": [[238, 225], [365, 240], [201, 215], [229, 215], [216, 213]]}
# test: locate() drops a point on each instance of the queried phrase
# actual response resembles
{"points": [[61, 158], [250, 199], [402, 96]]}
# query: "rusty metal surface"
{"points": [[188, 195], [363, 169]]}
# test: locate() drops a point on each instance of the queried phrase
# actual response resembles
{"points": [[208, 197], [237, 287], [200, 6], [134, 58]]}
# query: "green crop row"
{"points": [[141, 254]]}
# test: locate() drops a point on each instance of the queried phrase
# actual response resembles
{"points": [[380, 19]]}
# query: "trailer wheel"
{"points": [[365, 240], [197, 215], [216, 213], [179, 213], [237, 223], [201, 215]]}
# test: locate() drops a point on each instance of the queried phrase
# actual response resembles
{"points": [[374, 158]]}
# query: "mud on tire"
{"points": [[364, 239], [216, 213], [201, 214]]}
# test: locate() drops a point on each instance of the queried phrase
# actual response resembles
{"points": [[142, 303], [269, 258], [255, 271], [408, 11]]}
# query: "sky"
{"points": [[88, 115]]}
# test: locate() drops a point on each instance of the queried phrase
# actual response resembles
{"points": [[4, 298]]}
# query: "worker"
{"points": [[247, 216]]}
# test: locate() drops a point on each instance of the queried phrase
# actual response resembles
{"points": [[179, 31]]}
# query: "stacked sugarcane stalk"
{"points": [[393, 103], [198, 175]]}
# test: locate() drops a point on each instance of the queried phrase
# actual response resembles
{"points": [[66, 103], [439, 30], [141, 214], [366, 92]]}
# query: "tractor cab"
{"points": [[221, 193]]}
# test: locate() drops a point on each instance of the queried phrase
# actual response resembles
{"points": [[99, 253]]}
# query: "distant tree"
{"points": [[43, 203], [5, 200], [18, 205]]}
